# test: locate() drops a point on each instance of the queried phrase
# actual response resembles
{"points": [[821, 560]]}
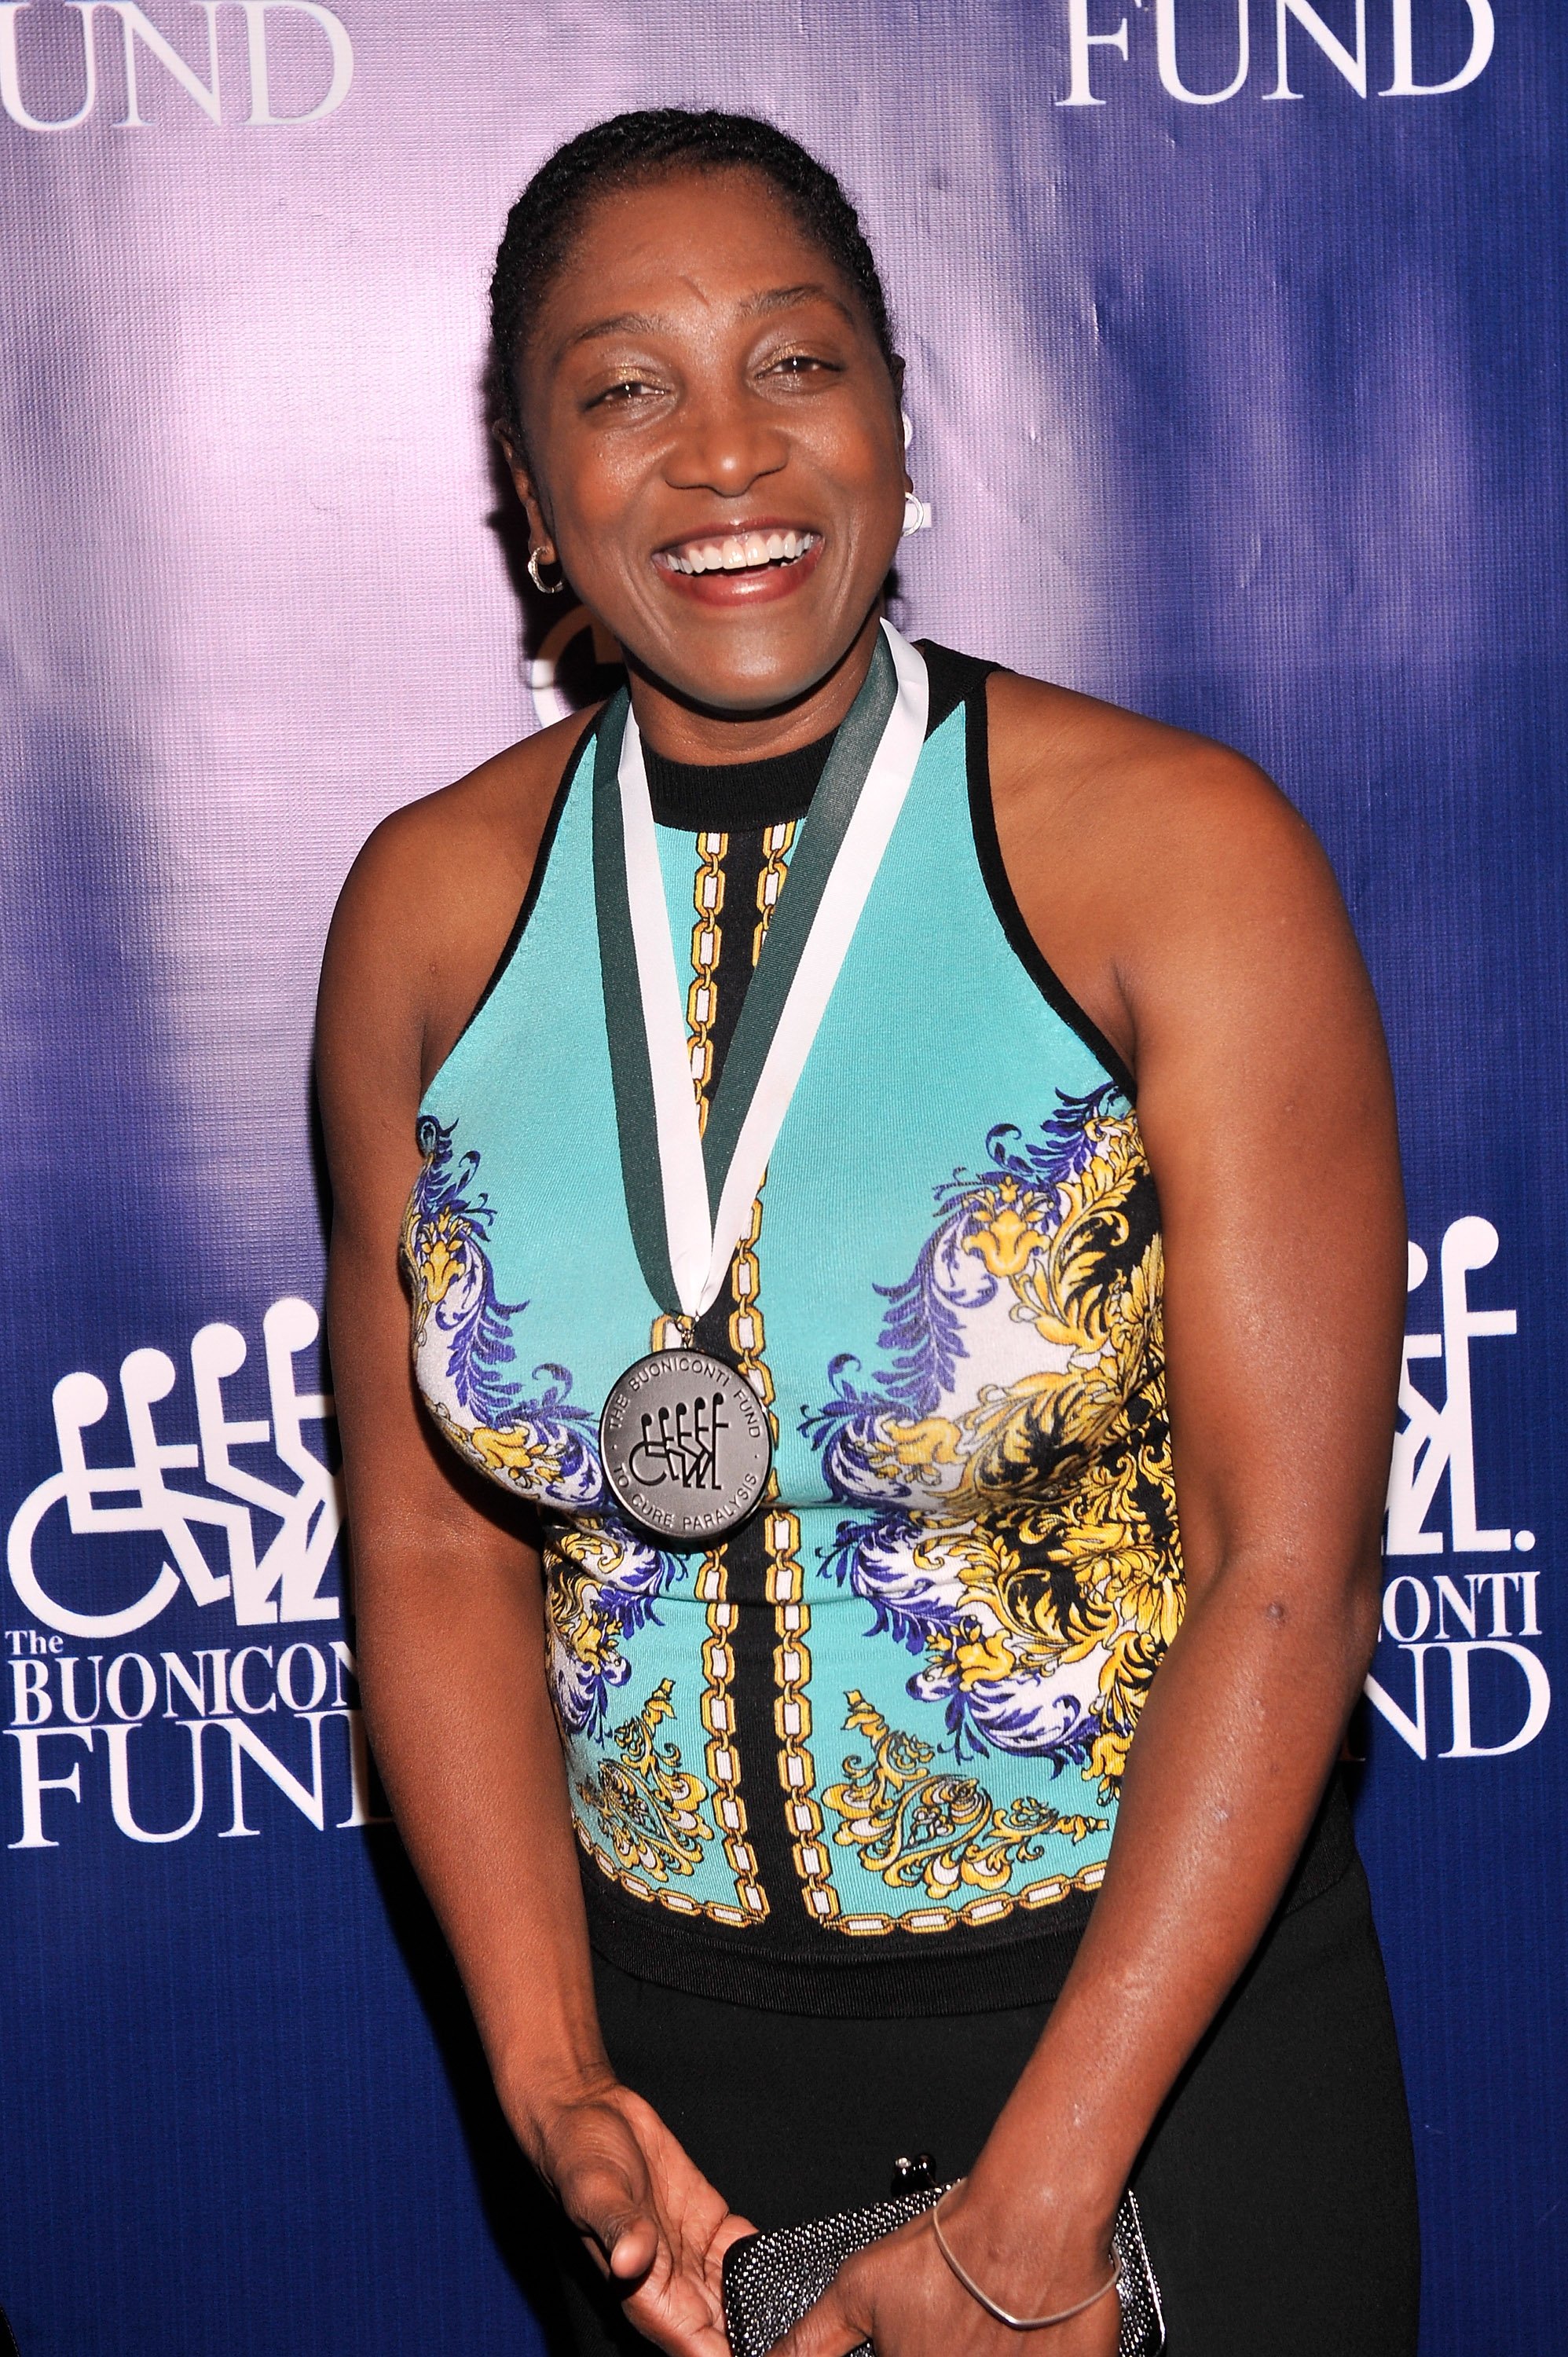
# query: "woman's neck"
{"points": [[691, 734]]}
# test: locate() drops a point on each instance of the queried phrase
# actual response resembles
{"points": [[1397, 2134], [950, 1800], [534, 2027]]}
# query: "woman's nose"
{"points": [[724, 447]]}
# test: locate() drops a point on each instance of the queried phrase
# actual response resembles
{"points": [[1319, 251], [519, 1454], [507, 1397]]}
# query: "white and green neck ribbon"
{"points": [[689, 1193]]}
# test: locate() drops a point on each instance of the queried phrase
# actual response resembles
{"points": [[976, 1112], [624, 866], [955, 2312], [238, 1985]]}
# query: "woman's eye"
{"points": [[617, 395], [796, 364]]}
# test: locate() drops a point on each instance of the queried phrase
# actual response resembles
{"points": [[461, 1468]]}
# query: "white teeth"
{"points": [[739, 552]]}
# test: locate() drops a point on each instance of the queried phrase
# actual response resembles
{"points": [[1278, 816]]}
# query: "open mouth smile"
{"points": [[769, 549]]}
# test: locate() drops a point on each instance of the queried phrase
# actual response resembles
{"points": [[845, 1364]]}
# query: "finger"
{"points": [[679, 2312], [730, 2230], [634, 2248], [678, 2337], [604, 2202], [734, 2230], [832, 2329]]}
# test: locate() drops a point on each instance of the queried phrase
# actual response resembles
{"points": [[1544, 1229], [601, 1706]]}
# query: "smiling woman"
{"points": [[860, 1599], [797, 353]]}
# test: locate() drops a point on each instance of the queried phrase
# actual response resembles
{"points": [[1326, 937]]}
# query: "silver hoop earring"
{"points": [[916, 514], [545, 588]]}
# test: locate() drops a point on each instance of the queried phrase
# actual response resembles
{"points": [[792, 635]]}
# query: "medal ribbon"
{"points": [[690, 1202]]}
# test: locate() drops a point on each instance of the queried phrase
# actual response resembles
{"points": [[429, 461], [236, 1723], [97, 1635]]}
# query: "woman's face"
{"points": [[715, 445]]}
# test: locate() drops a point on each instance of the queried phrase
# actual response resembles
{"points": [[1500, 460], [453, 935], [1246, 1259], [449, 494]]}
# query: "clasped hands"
{"points": [[659, 2230]]}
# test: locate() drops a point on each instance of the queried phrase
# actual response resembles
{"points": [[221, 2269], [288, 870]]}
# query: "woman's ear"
{"points": [[541, 540]]}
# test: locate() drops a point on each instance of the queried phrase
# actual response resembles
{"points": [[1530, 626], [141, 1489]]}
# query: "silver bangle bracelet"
{"points": [[1017, 2323]]}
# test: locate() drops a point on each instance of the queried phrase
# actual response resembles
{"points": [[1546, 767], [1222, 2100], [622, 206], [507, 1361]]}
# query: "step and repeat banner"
{"points": [[1234, 334]]}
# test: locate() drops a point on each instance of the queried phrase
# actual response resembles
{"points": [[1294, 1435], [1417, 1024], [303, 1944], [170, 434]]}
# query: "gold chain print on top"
{"points": [[745, 1337], [702, 999], [780, 1528], [721, 1752]]}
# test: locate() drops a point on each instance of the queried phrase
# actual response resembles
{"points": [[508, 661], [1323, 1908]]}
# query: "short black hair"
{"points": [[546, 218]]}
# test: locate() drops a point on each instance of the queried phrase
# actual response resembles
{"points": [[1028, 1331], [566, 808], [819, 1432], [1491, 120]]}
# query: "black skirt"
{"points": [[1277, 2188]]}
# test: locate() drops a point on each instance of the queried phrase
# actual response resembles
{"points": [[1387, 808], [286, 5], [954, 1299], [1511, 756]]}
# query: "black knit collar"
{"points": [[734, 796]]}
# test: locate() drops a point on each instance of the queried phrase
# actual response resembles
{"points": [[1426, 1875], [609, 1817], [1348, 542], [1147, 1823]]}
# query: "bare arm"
{"points": [[449, 1602], [450, 1623], [1229, 976]]}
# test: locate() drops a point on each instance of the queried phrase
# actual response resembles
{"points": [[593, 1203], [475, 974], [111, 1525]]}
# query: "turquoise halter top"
{"points": [[863, 1755]]}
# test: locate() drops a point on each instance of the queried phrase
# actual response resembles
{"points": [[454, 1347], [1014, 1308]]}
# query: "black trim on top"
{"points": [[1009, 916], [951, 678], [733, 797], [536, 881]]}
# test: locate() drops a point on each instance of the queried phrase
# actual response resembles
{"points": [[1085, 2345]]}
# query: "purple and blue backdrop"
{"points": [[1234, 332]]}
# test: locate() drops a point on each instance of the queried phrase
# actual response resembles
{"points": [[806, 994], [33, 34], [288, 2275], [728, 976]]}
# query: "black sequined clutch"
{"points": [[770, 2280]]}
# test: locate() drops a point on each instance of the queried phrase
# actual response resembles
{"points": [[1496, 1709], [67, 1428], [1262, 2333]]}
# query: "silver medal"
{"points": [[685, 1445]]}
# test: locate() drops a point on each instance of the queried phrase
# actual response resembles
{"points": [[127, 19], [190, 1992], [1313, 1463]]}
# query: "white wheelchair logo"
{"points": [[283, 1582], [1437, 1439]]}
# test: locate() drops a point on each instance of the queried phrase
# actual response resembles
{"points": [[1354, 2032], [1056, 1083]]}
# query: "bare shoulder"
{"points": [[447, 855], [1148, 862], [428, 904], [1134, 788]]}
